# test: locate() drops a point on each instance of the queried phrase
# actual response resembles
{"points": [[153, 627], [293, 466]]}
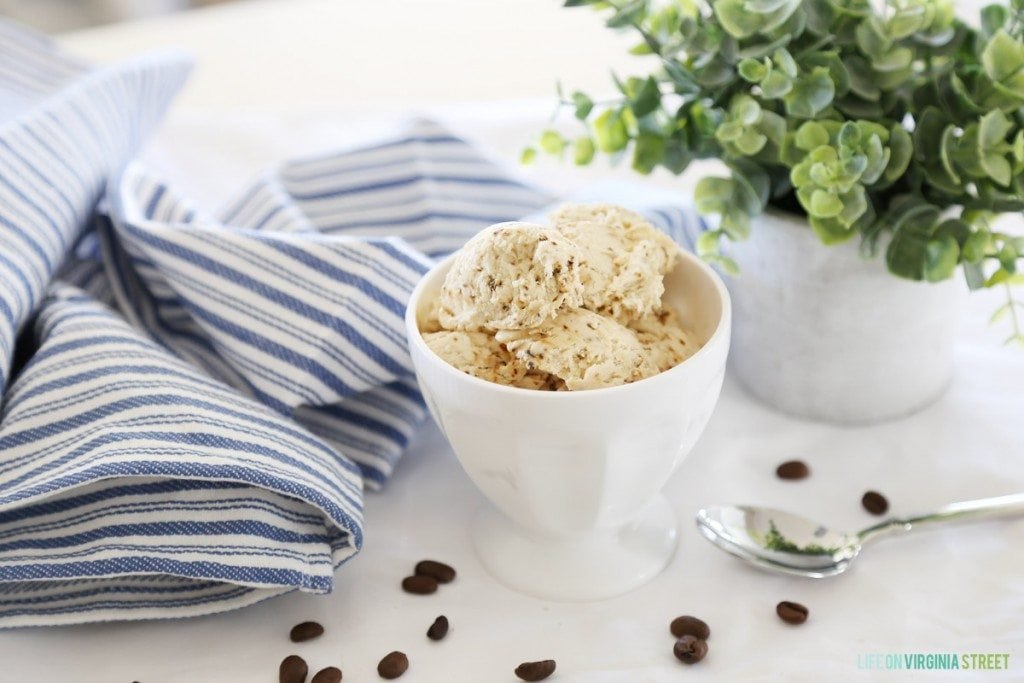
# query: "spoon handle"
{"points": [[968, 510]]}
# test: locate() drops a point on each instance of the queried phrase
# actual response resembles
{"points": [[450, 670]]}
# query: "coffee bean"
{"points": [[875, 503], [393, 665], [293, 669], [307, 630], [420, 585], [791, 612], [438, 571], [331, 674], [535, 671], [690, 650], [439, 629], [689, 626], [792, 469]]}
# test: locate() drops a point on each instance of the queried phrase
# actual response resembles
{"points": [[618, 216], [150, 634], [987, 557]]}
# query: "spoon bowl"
{"points": [[778, 541], [784, 542]]}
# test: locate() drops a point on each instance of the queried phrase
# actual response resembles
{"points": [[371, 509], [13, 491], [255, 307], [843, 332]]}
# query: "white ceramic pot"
{"points": [[823, 333], [575, 476]]}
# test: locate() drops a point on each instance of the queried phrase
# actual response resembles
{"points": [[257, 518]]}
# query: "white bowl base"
{"points": [[591, 567]]}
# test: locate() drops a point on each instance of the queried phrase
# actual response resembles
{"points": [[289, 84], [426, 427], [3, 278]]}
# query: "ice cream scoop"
{"points": [[573, 305], [510, 276]]}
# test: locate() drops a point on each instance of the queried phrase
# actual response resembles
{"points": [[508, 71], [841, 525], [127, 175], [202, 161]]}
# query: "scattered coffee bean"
{"points": [[419, 584], [439, 629], [307, 630], [535, 671], [331, 674], [689, 626], [875, 503], [293, 669], [690, 650], [792, 469], [791, 612], [393, 665], [438, 571]]}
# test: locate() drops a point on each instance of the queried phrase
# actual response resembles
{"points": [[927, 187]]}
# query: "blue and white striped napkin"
{"points": [[192, 405]]}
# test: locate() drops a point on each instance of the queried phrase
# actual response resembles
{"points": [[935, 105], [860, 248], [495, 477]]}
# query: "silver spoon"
{"points": [[783, 542]]}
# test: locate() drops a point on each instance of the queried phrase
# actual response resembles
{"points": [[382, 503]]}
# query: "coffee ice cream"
{"points": [[573, 305]]}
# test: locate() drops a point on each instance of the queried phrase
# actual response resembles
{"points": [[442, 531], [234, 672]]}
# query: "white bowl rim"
{"points": [[722, 329]]}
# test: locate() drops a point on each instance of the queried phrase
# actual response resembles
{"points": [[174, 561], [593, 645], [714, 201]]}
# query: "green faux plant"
{"points": [[896, 121]]}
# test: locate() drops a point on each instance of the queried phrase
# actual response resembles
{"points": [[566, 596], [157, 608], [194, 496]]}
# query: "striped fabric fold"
{"points": [[193, 404]]}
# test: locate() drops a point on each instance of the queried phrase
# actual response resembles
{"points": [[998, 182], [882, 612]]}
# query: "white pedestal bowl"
{"points": [[575, 477]]}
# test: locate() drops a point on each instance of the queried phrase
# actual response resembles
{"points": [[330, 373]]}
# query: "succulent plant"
{"points": [[897, 123]]}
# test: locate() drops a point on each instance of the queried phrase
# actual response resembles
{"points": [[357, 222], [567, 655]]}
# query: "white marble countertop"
{"points": [[957, 590]]}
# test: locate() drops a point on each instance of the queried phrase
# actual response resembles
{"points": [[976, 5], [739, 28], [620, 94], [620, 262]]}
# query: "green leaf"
{"points": [[811, 135], [552, 142], [824, 204], [862, 79], [976, 247], [584, 105], [736, 20], [735, 224], [752, 70], [647, 152], [713, 194], [820, 16], [764, 6], [894, 60], [974, 275], [641, 49], [1000, 313], [775, 85], [992, 129], [707, 243], [956, 228], [610, 132], [629, 14], [728, 265], [528, 156], [1007, 256], [907, 21], [1003, 57], [677, 157], [905, 255], [855, 205], [753, 184], [872, 39], [785, 62], [849, 135], [762, 50], [583, 151], [750, 142], [901, 146], [830, 231], [997, 278], [940, 259], [836, 69], [947, 148], [647, 99], [746, 110], [773, 127], [811, 94], [997, 168], [993, 18]]}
